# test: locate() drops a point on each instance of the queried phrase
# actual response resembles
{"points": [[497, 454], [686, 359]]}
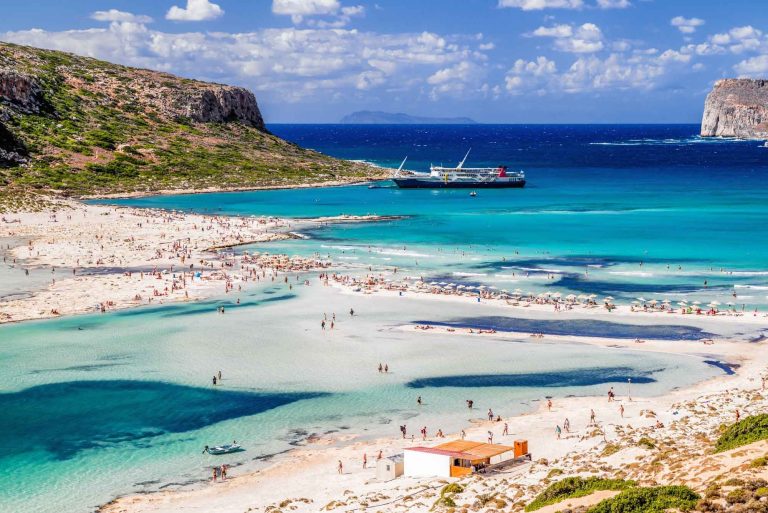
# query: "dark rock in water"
{"points": [[737, 108]]}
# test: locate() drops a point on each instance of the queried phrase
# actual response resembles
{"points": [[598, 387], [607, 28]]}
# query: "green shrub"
{"points": [[572, 487], [746, 431], [649, 500], [646, 442], [738, 496]]}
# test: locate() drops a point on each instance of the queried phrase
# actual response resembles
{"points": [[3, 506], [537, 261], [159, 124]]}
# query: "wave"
{"points": [[753, 287], [458, 273], [632, 273], [670, 141]]}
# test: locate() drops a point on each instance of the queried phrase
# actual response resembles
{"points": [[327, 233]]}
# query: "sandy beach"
{"points": [[106, 258]]}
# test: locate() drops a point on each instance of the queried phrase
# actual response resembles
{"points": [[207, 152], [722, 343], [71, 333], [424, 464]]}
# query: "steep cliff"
{"points": [[81, 126], [736, 108]]}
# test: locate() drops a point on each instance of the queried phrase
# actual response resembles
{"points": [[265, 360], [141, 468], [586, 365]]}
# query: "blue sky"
{"points": [[498, 61]]}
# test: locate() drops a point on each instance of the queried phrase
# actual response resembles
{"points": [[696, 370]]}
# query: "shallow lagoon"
{"points": [[124, 401]]}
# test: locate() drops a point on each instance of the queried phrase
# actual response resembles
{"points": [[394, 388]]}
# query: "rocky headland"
{"points": [[737, 107]]}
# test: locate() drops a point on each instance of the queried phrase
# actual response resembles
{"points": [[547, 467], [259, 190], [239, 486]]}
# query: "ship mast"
{"points": [[461, 164]]}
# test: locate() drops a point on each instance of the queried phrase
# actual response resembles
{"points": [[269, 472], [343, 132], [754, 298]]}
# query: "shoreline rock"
{"points": [[736, 107]]}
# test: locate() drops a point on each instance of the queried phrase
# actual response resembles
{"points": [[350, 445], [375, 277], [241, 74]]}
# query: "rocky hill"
{"points": [[368, 117], [79, 126], [737, 108]]}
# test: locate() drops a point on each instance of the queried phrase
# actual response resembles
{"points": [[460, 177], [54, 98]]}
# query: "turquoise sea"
{"points": [[97, 406]]}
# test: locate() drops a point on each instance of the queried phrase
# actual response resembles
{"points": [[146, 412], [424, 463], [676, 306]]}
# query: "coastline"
{"points": [[207, 190], [294, 476], [305, 477]]}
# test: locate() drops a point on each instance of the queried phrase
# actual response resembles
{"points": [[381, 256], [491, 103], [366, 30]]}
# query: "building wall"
{"points": [[425, 464]]}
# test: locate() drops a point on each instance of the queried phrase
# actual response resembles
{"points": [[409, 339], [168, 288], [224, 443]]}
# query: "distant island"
{"points": [[370, 117], [737, 107]]}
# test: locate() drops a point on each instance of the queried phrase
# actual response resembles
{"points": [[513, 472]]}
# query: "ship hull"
{"points": [[417, 183]]}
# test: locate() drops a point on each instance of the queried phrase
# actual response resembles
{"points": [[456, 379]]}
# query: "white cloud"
{"points": [[686, 25], [613, 4], [753, 67], [537, 5], [115, 15], [299, 10], [554, 31], [196, 10], [530, 75], [586, 38], [283, 65]]}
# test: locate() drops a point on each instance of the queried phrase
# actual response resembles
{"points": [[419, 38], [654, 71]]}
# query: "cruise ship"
{"points": [[459, 177]]}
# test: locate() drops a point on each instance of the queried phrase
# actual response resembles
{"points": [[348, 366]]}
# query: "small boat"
{"points": [[225, 449], [473, 194]]}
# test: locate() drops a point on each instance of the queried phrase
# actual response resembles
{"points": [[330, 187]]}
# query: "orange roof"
{"points": [[487, 451], [458, 445]]}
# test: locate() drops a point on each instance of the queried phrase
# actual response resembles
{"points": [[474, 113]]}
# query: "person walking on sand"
{"points": [[424, 433], [567, 425], [549, 404], [558, 431], [621, 411], [340, 468], [365, 461], [490, 436], [592, 420]]}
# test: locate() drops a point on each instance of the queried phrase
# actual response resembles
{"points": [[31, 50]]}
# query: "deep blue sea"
{"points": [[100, 405]]}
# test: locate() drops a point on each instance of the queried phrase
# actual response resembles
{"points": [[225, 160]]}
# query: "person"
{"points": [[386, 368], [592, 417], [351, 312], [380, 368], [322, 324], [205, 450], [549, 404], [470, 403], [418, 400], [379, 456], [403, 430], [490, 436], [463, 434], [365, 460], [490, 414], [621, 411], [340, 468], [215, 473], [558, 431], [214, 381], [424, 433], [567, 425], [219, 375], [738, 415], [223, 472], [506, 429]]}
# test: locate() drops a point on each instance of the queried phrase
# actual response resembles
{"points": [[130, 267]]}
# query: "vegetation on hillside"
{"points": [[656, 499], [572, 487], [97, 133], [746, 431]]}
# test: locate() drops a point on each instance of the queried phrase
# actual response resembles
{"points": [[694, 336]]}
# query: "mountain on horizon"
{"points": [[369, 117]]}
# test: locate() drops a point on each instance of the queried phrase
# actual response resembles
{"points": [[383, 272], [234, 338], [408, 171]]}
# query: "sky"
{"points": [[496, 61]]}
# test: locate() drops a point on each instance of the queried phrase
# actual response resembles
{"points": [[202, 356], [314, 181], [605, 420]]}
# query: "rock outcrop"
{"points": [[217, 104], [737, 108], [20, 91]]}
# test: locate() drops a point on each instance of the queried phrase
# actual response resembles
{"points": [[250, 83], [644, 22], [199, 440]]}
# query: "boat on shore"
{"points": [[460, 177], [225, 449]]}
